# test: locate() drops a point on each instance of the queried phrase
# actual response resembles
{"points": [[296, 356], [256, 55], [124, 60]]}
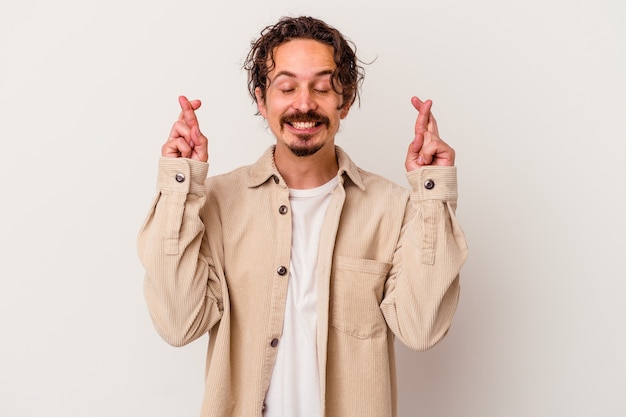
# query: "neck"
{"points": [[304, 172]]}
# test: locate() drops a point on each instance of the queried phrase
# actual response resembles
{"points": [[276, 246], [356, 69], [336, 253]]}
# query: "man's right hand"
{"points": [[186, 140]]}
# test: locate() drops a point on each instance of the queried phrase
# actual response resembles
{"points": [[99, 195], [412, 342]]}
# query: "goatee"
{"points": [[302, 150]]}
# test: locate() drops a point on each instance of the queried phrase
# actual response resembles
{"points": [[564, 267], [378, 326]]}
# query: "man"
{"points": [[302, 267]]}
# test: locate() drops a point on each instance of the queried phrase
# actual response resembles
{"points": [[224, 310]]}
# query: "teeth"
{"points": [[303, 125]]}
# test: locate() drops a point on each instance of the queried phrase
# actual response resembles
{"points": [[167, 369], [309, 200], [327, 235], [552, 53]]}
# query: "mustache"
{"points": [[310, 116]]}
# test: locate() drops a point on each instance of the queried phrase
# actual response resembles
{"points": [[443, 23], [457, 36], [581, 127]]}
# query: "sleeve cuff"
{"points": [[433, 183], [182, 175]]}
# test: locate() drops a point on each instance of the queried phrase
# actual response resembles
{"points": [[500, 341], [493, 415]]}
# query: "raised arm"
{"points": [[422, 290], [182, 286]]}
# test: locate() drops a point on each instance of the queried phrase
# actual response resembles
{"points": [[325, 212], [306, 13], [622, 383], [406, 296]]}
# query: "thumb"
{"points": [[200, 143], [414, 159]]}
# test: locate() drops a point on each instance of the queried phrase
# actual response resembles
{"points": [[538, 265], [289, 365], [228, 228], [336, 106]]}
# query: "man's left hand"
{"points": [[427, 148]]}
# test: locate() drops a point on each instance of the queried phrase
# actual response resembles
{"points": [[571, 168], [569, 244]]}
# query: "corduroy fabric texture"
{"points": [[216, 252]]}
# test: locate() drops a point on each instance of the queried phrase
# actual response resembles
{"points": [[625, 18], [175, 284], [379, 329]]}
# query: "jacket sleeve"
{"points": [[422, 289], [182, 290]]}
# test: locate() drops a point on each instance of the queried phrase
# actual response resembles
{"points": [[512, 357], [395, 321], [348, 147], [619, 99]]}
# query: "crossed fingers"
{"points": [[427, 148], [185, 138]]}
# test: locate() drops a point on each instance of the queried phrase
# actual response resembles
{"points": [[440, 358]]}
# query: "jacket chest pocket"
{"points": [[356, 291]]}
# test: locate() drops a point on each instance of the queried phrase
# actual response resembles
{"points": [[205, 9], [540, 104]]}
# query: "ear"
{"points": [[260, 102], [344, 112]]}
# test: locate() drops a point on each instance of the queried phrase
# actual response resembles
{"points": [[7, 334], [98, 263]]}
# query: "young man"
{"points": [[302, 267]]}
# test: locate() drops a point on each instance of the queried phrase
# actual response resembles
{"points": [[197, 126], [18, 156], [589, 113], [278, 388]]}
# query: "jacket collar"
{"points": [[265, 169]]}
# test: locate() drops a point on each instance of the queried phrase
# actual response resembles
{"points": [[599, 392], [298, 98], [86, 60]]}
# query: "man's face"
{"points": [[300, 104]]}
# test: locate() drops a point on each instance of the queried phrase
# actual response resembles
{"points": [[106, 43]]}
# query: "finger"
{"points": [[413, 153], [197, 138], [437, 152], [200, 145], [423, 117], [188, 114], [195, 105], [176, 148], [180, 130], [417, 103], [432, 125]]}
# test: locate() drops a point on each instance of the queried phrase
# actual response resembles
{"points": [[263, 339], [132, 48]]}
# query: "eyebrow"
{"points": [[292, 75]]}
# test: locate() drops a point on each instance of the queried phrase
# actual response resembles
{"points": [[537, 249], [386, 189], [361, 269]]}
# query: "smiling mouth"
{"points": [[305, 121], [304, 125]]}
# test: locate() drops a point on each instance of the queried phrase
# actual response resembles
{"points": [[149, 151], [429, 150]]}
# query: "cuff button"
{"points": [[180, 177], [429, 184]]}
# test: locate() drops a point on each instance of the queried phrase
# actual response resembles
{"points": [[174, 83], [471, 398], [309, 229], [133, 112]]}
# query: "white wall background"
{"points": [[530, 93]]}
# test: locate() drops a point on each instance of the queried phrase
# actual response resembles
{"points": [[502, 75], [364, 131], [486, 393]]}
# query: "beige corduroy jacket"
{"points": [[216, 253]]}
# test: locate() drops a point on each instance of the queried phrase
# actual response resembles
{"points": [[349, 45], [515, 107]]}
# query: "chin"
{"points": [[304, 149]]}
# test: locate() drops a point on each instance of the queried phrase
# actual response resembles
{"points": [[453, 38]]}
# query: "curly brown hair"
{"points": [[347, 77]]}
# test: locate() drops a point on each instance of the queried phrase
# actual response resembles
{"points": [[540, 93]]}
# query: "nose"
{"points": [[304, 101]]}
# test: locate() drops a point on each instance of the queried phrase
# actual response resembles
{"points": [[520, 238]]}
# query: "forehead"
{"points": [[303, 58]]}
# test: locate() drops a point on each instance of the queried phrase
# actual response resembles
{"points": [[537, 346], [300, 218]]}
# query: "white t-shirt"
{"points": [[295, 385]]}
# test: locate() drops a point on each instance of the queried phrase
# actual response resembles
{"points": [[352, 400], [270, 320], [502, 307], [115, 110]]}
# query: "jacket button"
{"points": [[429, 184], [180, 177], [274, 342], [282, 209], [276, 179], [281, 270]]}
